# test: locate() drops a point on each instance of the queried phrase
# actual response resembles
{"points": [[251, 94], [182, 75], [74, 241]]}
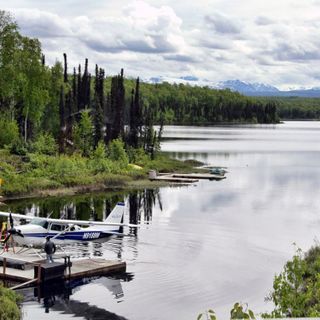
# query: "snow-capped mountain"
{"points": [[246, 88]]}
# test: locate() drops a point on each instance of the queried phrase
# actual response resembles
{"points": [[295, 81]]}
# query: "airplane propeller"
{"points": [[12, 230]]}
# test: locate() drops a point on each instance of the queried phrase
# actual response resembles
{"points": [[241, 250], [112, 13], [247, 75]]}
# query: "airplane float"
{"points": [[62, 230]]}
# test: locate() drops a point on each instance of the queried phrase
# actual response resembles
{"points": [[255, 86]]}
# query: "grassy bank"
{"points": [[9, 304], [39, 174]]}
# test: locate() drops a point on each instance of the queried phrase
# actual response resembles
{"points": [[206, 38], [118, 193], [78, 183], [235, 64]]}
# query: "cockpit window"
{"points": [[40, 222], [57, 227]]}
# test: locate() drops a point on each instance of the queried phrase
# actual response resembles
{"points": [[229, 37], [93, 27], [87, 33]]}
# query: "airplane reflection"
{"points": [[56, 296]]}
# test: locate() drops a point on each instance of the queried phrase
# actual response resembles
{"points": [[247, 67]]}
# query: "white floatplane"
{"points": [[62, 230]]}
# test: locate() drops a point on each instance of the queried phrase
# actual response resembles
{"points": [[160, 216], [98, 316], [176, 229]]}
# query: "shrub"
{"points": [[116, 152], [9, 304], [65, 166], [138, 156], [83, 134], [113, 179], [100, 151], [296, 289], [15, 184], [101, 165], [45, 144], [9, 132], [19, 147]]}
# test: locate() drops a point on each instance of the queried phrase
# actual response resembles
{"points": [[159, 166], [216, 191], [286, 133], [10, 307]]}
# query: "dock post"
{"points": [[39, 274], [69, 267], [4, 265]]}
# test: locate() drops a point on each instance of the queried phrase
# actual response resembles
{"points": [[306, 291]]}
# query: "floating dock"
{"points": [[208, 176], [172, 178], [22, 267], [183, 177]]}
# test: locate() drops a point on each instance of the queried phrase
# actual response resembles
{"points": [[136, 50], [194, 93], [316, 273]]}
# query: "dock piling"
{"points": [[4, 266]]}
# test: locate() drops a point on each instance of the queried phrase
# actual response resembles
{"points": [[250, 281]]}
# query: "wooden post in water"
{"points": [[39, 274], [69, 267], [4, 265]]}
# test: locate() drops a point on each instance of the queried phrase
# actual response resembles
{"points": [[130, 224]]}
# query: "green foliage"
{"points": [[100, 151], [99, 163], [19, 147], [210, 315], [164, 164], [32, 82], [113, 180], [9, 132], [9, 300], [65, 167], [45, 144], [295, 107], [185, 104], [240, 311], [50, 119], [83, 134], [296, 290], [137, 156], [116, 152]]}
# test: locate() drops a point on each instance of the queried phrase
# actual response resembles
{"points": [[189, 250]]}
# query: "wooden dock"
{"points": [[172, 178], [80, 268], [183, 177], [208, 176]]}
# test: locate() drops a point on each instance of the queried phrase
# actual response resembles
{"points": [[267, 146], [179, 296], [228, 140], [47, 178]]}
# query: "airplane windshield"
{"points": [[40, 222]]}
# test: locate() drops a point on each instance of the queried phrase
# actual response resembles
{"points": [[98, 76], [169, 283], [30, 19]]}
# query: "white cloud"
{"points": [[222, 24], [217, 40], [34, 22]]}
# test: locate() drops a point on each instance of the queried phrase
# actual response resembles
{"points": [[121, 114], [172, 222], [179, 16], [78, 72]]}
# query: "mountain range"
{"points": [[246, 88]]}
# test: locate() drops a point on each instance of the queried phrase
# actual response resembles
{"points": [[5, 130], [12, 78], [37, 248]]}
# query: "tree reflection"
{"points": [[140, 204]]}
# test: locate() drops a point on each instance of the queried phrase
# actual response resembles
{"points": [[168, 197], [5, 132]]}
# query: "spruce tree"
{"points": [[135, 116], [65, 72], [117, 101], [99, 106], [62, 121], [79, 89]]}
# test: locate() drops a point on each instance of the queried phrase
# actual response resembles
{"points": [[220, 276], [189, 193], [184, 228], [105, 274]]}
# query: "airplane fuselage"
{"points": [[35, 234], [62, 230]]}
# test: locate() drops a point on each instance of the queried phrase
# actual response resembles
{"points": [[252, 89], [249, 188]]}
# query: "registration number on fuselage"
{"points": [[91, 235]]}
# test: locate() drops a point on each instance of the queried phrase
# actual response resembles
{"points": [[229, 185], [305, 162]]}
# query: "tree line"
{"points": [[186, 104], [292, 108]]}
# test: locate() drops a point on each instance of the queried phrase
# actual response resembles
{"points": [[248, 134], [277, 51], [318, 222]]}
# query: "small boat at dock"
{"points": [[218, 171]]}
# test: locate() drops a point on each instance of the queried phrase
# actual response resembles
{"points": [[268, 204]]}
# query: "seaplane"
{"points": [[63, 231]]}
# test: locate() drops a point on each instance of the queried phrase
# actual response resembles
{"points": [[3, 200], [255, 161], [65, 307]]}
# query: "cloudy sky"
{"points": [[276, 42]]}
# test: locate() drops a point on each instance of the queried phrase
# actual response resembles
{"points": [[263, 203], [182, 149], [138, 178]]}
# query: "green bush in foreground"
{"points": [[9, 131], [239, 311], [296, 290], [9, 300], [45, 144]]}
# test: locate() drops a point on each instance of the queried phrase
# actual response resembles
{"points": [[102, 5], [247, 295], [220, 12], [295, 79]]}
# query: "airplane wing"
{"points": [[15, 215], [65, 221], [88, 222]]}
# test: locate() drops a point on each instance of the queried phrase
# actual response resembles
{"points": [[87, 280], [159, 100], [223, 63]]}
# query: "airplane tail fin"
{"points": [[116, 214]]}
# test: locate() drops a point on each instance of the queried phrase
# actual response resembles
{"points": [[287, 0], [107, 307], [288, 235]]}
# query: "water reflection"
{"points": [[57, 297], [91, 207]]}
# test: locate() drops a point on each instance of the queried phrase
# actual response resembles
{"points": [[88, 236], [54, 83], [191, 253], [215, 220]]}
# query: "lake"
{"points": [[207, 245]]}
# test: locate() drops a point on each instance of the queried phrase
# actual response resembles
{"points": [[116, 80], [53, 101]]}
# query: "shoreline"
{"points": [[87, 189]]}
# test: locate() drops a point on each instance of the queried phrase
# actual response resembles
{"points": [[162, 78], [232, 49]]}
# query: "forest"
{"points": [[296, 108]]}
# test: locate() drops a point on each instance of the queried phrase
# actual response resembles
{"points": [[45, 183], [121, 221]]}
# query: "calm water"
{"points": [[207, 245]]}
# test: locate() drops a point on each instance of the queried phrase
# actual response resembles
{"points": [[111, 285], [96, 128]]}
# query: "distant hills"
{"points": [[246, 88]]}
